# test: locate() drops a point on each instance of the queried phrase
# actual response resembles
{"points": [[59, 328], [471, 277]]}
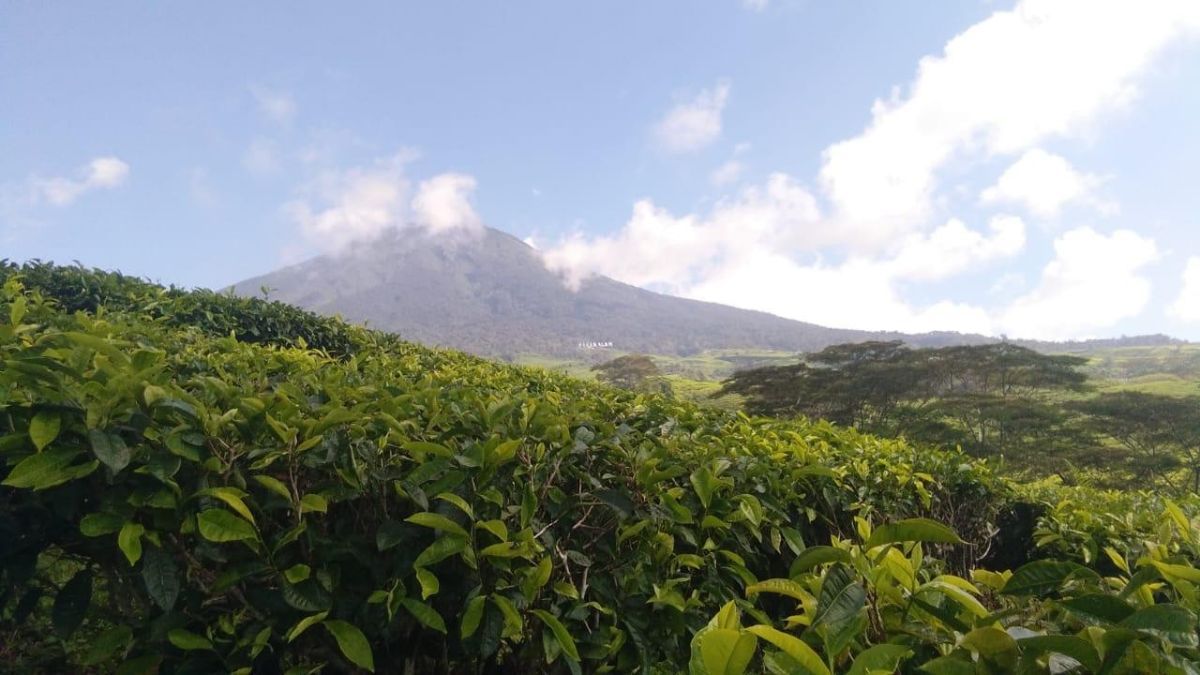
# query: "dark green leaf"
{"points": [[71, 604]]}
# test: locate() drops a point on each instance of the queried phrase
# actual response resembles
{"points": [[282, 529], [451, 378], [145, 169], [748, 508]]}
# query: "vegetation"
{"points": [[179, 496]]}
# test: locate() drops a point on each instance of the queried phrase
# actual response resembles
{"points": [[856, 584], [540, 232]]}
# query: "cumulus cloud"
{"points": [[361, 203], [848, 253], [102, 173], [1186, 306], [1046, 69], [277, 106], [1093, 282], [1043, 183], [443, 204], [340, 207], [694, 124], [727, 173]]}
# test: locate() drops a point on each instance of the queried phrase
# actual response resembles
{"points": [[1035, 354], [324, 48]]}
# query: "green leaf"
{"points": [[313, 502], [219, 525], [472, 615], [840, 599], [722, 651], [513, 623], [1172, 623], [304, 624], [161, 578], [110, 449], [794, 647], [816, 555], [437, 522], [99, 524], [233, 498], [706, 484], [274, 485], [1068, 645], [352, 642], [421, 448], [106, 644], [1042, 577], [429, 583], [48, 469], [779, 586], [141, 665], [427, 615], [440, 549], [130, 541], [1098, 608], [457, 501], [912, 529], [879, 660], [71, 604], [297, 573], [188, 641], [508, 550], [560, 633], [44, 428], [993, 645]]}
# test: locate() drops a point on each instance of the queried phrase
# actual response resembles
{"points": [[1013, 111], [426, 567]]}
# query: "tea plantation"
{"points": [[195, 483]]}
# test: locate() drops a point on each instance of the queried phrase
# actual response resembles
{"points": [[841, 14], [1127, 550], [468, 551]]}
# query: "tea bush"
{"points": [[181, 497]]}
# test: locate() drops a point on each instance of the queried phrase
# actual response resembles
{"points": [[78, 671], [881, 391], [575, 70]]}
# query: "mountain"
{"points": [[492, 295]]}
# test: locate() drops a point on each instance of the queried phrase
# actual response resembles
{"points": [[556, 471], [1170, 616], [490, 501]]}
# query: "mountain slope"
{"points": [[493, 296]]}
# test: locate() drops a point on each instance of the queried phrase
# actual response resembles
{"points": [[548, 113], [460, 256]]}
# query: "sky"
{"points": [[1029, 168]]}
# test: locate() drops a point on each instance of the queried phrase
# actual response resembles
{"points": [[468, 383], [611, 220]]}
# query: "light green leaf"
{"points": [[779, 586], [912, 529], [437, 522], [304, 624], [352, 642], [473, 615], [274, 485], [44, 428], [232, 497], [130, 541], [219, 525], [425, 614], [793, 647], [313, 502], [560, 633], [440, 549], [187, 640], [429, 583], [48, 469], [724, 651], [879, 660]]}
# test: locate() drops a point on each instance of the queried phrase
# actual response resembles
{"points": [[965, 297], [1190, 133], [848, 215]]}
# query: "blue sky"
{"points": [[1011, 168]]}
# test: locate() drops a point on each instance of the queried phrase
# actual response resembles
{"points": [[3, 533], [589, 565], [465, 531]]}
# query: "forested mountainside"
{"points": [[196, 483]]}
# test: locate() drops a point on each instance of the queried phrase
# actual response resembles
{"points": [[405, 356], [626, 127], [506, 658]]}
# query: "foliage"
{"points": [[177, 498], [1161, 433], [632, 371], [995, 400]]}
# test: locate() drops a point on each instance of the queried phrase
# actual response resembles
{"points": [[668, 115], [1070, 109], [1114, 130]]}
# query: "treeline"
{"points": [[1036, 411]]}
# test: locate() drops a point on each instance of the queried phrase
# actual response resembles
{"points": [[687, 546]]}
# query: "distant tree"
{"points": [[994, 399], [632, 371], [1161, 433]]}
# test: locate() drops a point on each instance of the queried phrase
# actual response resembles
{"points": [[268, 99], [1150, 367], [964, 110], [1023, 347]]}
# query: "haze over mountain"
{"points": [[490, 294]]}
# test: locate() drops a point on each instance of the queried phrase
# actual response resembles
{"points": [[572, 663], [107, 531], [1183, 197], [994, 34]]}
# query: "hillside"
{"points": [[192, 483], [493, 296]]}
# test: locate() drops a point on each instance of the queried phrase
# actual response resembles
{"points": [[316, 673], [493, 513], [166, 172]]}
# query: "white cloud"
{"points": [[755, 5], [356, 204], [1186, 306], [1093, 282], [277, 106], [727, 173], [102, 173], [359, 204], [694, 124], [1043, 182], [1046, 69], [443, 204]]}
